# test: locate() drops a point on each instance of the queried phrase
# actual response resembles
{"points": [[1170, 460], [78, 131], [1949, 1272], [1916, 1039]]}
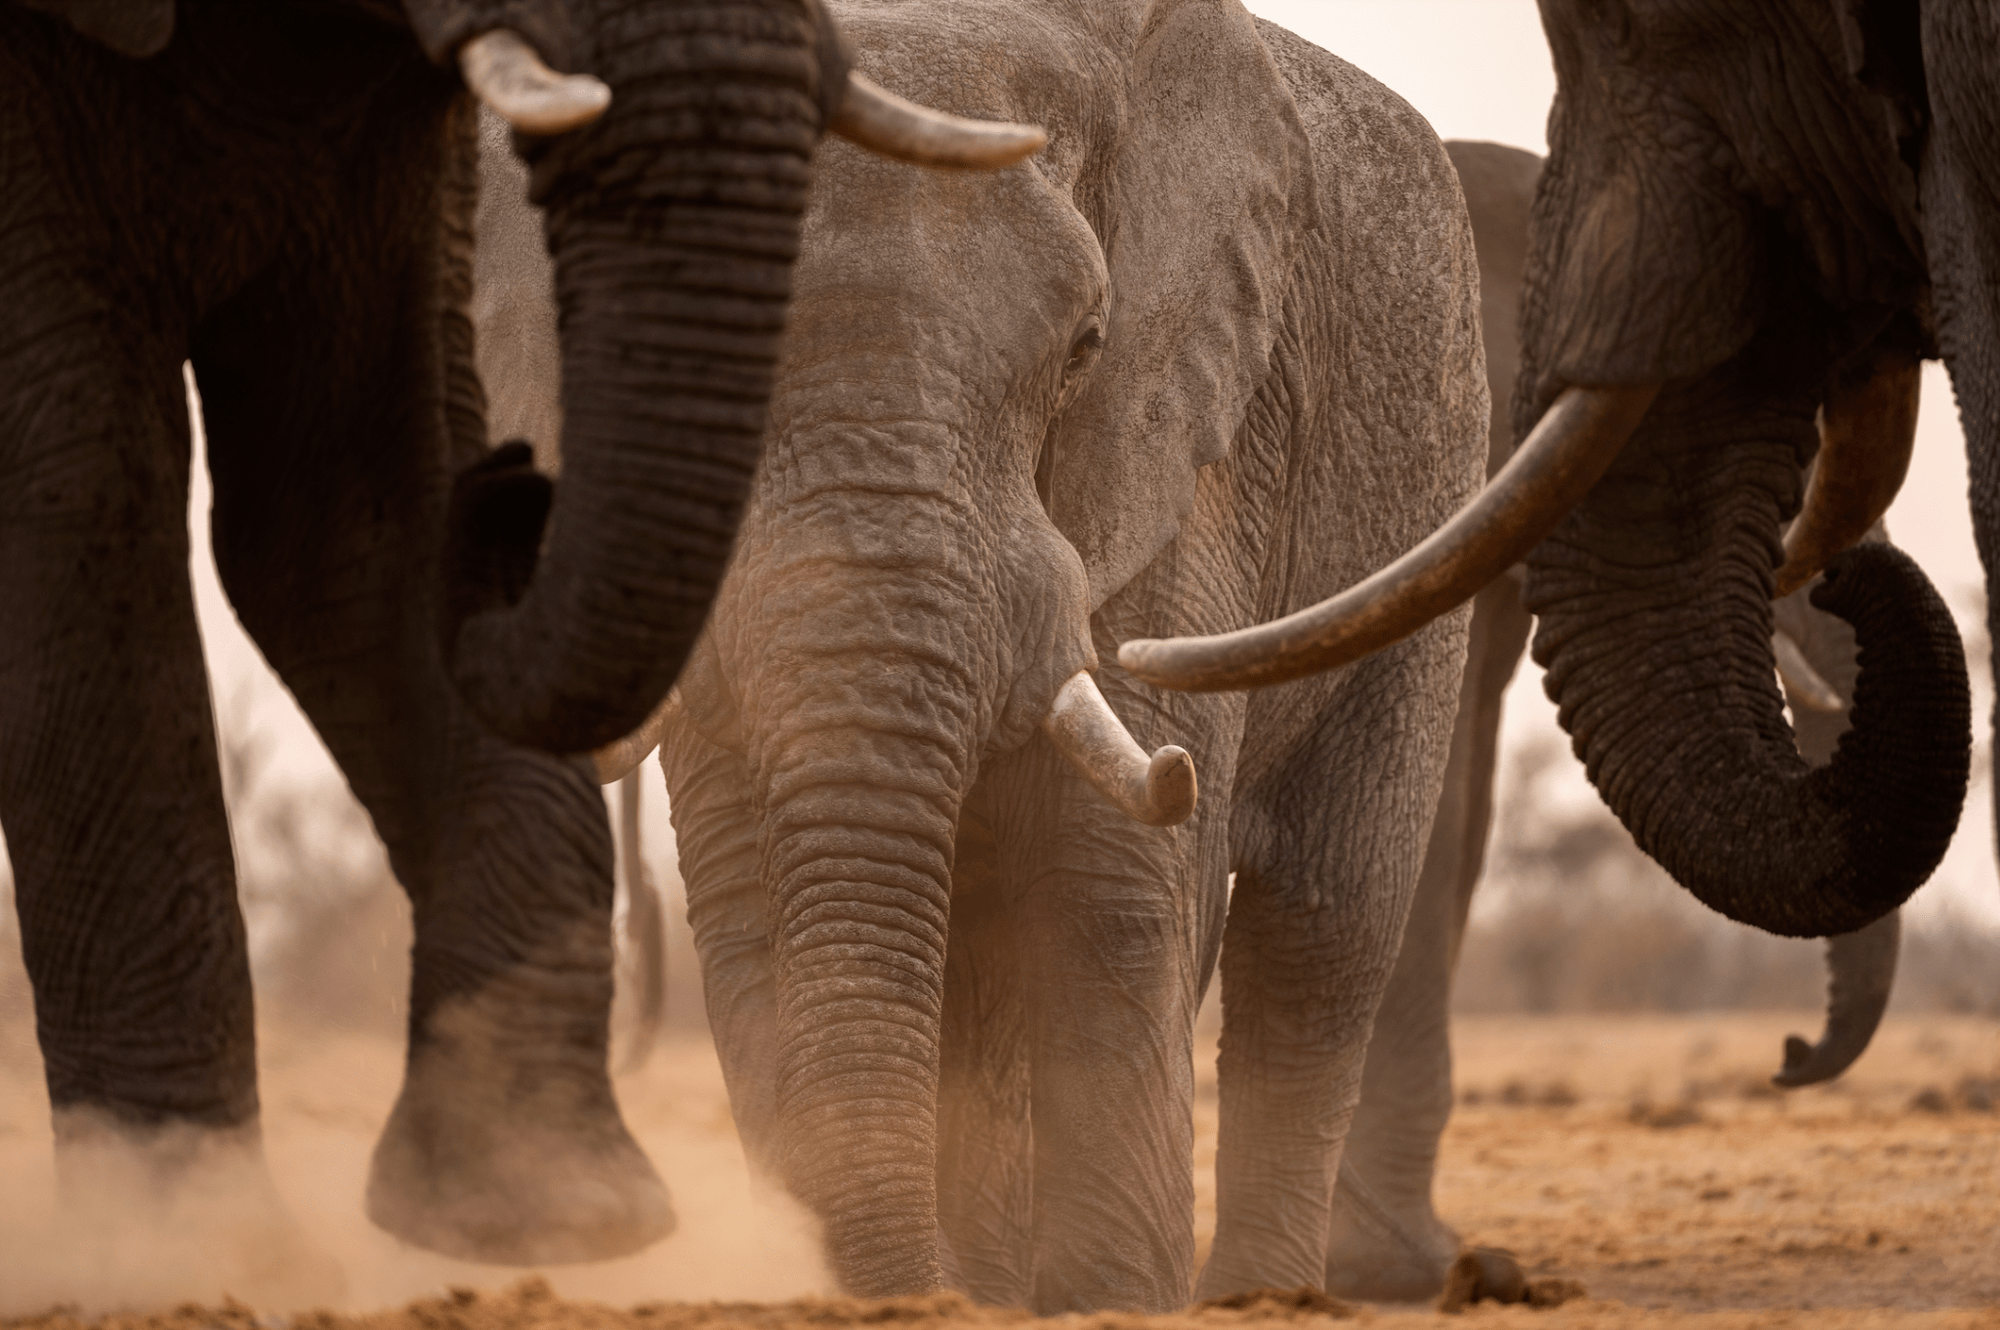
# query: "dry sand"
{"points": [[1642, 1156]]}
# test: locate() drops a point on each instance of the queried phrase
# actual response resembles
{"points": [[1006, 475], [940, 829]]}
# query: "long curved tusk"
{"points": [[506, 74], [882, 122], [1867, 430], [615, 760], [1807, 685], [1571, 447], [1159, 791]]}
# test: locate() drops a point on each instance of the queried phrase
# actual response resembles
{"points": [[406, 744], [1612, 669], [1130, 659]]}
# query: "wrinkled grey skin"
{"points": [[281, 194], [1388, 1242], [964, 501]]}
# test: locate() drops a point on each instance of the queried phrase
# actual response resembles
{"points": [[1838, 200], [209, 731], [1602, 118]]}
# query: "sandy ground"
{"points": [[1641, 1156]]}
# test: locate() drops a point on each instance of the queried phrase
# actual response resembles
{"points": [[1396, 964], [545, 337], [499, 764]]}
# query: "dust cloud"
{"points": [[118, 1245]]}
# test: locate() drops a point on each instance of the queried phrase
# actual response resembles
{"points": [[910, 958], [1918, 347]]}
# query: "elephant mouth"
{"points": [[1867, 431]]}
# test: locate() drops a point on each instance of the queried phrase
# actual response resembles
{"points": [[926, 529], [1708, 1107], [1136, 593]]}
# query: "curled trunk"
{"points": [[1655, 630]]}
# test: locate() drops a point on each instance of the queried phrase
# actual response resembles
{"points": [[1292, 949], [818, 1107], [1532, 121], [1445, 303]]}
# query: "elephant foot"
{"points": [[1377, 1254], [512, 1153], [182, 1213]]}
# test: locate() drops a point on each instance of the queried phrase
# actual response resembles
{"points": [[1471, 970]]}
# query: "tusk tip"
{"points": [[1136, 656], [879, 120], [506, 73], [1171, 787]]}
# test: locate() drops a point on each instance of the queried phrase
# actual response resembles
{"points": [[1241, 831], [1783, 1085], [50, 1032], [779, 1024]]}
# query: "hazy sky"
{"points": [[1476, 69]]}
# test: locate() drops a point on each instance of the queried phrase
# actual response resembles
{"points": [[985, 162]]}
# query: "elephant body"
{"points": [[283, 195], [1388, 1241], [1214, 356]]}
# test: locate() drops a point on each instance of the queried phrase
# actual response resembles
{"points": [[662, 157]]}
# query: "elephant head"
{"points": [[1726, 276], [996, 395]]}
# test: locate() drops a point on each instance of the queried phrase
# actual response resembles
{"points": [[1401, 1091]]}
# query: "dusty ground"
{"points": [[1642, 1156]]}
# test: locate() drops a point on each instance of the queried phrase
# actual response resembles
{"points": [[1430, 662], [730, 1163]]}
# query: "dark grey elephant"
{"points": [[1212, 356], [283, 194], [1388, 1242], [1750, 216]]}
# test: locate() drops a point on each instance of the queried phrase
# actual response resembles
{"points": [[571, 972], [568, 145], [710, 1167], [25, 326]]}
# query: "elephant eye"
{"points": [[1084, 347]]}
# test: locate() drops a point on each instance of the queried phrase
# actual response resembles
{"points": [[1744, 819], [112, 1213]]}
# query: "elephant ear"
{"points": [[1208, 191], [138, 28]]}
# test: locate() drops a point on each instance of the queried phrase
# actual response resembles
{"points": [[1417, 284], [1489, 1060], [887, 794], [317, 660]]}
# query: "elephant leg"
{"points": [[1111, 950], [331, 437], [109, 784], [985, 1143], [715, 831], [111, 795], [1387, 1241], [1328, 844]]}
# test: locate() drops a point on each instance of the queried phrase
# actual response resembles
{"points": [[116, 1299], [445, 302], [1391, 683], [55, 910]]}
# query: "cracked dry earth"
{"points": [[1643, 1157]]}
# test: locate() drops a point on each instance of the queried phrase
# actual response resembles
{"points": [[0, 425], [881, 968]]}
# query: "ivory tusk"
{"points": [[1807, 686], [882, 122], [506, 73], [1867, 430], [1570, 448], [1158, 791], [615, 760]]}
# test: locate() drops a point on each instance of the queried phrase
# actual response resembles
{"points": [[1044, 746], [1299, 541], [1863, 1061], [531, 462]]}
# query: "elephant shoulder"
{"points": [[1392, 406], [1371, 148]]}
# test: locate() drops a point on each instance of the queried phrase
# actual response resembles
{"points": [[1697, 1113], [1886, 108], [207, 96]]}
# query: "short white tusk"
{"points": [[882, 122], [1158, 791], [617, 759], [1806, 685], [506, 74]]}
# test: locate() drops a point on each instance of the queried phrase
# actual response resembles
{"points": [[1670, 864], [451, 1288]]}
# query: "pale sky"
{"points": [[1476, 69]]}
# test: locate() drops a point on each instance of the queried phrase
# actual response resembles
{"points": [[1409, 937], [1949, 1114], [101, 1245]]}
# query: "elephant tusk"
{"points": [[882, 122], [1867, 430], [1806, 685], [617, 759], [1158, 791], [1572, 445], [507, 75]]}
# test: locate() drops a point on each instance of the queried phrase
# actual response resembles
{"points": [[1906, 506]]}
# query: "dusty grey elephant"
{"points": [[1213, 356], [1388, 1242], [282, 194]]}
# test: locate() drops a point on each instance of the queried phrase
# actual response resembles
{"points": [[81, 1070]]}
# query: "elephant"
{"points": [[1755, 221], [1212, 355], [1388, 1243], [282, 195]]}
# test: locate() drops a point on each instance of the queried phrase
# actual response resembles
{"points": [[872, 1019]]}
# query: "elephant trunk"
{"points": [[861, 721], [1655, 630], [860, 884], [673, 222]]}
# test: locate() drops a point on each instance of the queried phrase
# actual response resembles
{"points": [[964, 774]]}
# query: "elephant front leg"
{"points": [[1328, 845], [1109, 951], [330, 457], [111, 797]]}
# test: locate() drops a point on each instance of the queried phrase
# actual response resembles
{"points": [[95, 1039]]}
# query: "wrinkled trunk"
{"points": [[859, 878], [1655, 626], [673, 223], [856, 686]]}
